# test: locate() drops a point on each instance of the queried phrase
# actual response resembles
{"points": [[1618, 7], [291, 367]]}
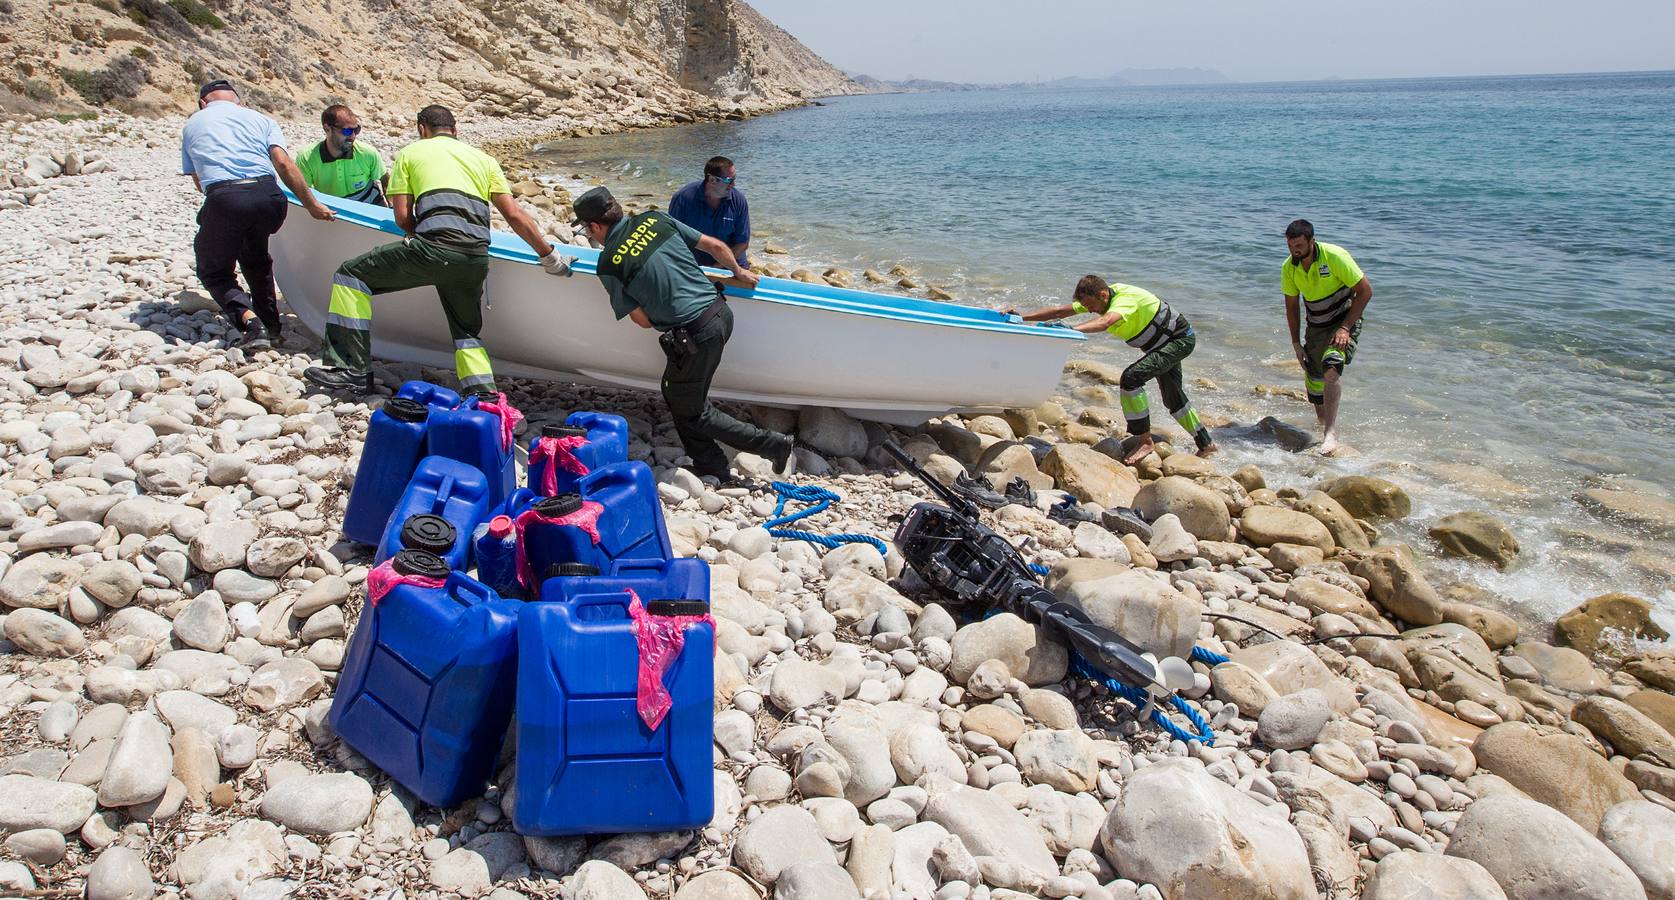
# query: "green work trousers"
{"points": [[1164, 366], [458, 279], [1319, 355]]}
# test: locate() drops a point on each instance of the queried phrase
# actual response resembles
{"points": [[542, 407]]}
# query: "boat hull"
{"points": [[875, 356]]}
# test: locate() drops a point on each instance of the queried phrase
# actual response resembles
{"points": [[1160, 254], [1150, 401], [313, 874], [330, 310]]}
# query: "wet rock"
{"points": [[1395, 583], [1561, 667], [1653, 515], [1534, 851], [1267, 525], [1191, 836], [1655, 669], [1369, 497], [1476, 535], [1655, 705], [1346, 532], [1608, 624], [1555, 768], [1497, 629]]}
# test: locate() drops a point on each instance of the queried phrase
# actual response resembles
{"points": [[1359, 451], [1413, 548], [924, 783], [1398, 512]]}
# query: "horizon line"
{"points": [[1333, 79]]}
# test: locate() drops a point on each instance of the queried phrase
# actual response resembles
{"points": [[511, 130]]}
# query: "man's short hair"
{"points": [[328, 117], [1300, 228], [1089, 286], [612, 214], [436, 118], [718, 166]]}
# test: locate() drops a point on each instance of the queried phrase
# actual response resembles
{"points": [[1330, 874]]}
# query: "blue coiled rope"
{"points": [[1138, 697], [820, 499]]}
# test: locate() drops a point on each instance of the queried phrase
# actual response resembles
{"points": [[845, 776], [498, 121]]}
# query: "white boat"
{"points": [[887, 358]]}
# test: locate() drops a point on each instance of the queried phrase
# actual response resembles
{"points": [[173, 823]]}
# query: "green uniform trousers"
{"points": [[1163, 365], [414, 262], [1319, 355], [686, 388]]}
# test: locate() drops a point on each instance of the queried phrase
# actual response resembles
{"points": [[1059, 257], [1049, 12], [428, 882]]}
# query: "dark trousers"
{"points": [[686, 388], [234, 225]]}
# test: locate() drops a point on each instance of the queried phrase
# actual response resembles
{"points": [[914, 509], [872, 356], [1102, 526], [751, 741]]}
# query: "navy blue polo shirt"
{"points": [[728, 222]]}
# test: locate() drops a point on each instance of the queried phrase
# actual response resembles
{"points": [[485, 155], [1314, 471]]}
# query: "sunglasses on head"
{"points": [[350, 132]]}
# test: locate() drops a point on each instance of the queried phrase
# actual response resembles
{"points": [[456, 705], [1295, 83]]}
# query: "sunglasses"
{"points": [[728, 180], [350, 132]]}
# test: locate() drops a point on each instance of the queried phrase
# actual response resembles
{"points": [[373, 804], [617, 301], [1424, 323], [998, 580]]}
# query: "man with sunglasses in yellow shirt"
{"points": [[342, 165]]}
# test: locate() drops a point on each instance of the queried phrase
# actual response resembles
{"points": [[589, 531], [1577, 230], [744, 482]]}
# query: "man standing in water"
{"points": [[1137, 317], [648, 265], [713, 206], [1336, 295]]}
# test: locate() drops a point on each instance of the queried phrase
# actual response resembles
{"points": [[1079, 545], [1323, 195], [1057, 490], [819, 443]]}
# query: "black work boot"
{"points": [[784, 458], [334, 378], [253, 335]]}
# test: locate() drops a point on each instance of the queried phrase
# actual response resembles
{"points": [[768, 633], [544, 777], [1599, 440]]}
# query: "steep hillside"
{"points": [[589, 64]]}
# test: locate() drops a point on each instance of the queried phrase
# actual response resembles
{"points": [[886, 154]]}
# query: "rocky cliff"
{"points": [[594, 64]]}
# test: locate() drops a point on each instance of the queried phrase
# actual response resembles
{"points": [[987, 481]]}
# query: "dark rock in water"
{"points": [[1286, 434]]}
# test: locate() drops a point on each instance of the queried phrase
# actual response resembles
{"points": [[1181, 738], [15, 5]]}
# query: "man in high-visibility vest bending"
{"points": [[441, 190], [1335, 295], [1164, 338]]}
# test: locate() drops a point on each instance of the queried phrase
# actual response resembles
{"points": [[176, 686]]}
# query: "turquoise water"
{"points": [[1519, 234]]}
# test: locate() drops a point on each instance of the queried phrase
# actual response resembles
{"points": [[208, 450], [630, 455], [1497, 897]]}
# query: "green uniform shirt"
{"points": [[451, 184], [1326, 286], [670, 286], [354, 176], [1137, 306]]}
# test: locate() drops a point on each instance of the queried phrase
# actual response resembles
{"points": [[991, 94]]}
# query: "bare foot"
{"points": [[1140, 451], [1206, 452], [1329, 445]]}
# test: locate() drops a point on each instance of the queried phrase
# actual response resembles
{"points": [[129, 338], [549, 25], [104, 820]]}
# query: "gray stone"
{"points": [[717, 884], [856, 732], [328, 591], [1191, 835], [1293, 721], [283, 682], [40, 633], [990, 826], [831, 432], [203, 624], [1028, 653], [239, 586], [119, 874], [57, 721], [185, 709], [140, 763], [60, 537], [112, 582], [28, 802], [1535, 852], [39, 582], [1642, 834], [815, 881], [463, 871], [42, 846], [778, 839], [1407, 875], [271, 557], [798, 683], [557, 855], [222, 547], [1064, 759], [599, 880], [145, 516], [1143, 607], [222, 866]]}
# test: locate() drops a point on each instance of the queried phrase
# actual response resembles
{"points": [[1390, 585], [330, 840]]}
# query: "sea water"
{"points": [[1519, 234]]}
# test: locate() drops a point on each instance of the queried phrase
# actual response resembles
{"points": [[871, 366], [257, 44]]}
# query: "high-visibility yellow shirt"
{"points": [[354, 176], [1332, 271], [451, 184], [1137, 306]]}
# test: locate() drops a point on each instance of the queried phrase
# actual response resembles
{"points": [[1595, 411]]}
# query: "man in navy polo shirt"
{"points": [[713, 206]]}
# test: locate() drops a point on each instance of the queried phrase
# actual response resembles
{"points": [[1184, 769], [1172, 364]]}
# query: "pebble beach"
{"points": [[177, 598]]}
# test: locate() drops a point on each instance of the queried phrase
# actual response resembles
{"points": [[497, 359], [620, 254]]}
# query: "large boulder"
{"points": [[1176, 827], [1201, 510], [1091, 476], [1264, 526], [1143, 607], [831, 431], [1029, 654], [1006, 460], [1627, 729], [1345, 530], [1476, 535], [1368, 497], [1555, 768], [1642, 834], [1395, 583], [1536, 853], [1409, 875], [1609, 623]]}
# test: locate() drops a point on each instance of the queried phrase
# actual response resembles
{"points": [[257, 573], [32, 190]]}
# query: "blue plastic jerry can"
{"points": [[434, 396], [681, 578], [395, 442], [604, 440], [426, 687], [473, 437], [448, 499], [587, 763], [628, 526]]}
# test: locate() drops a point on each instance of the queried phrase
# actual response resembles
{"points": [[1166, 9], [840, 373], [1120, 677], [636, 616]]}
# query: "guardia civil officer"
{"points": [[233, 154], [648, 266]]}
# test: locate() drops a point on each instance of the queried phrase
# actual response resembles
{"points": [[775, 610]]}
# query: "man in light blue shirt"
{"points": [[233, 154]]}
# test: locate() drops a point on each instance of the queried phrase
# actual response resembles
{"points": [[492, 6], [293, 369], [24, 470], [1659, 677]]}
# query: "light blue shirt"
{"points": [[225, 142]]}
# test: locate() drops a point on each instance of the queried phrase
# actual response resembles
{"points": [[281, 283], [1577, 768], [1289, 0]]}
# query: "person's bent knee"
{"points": [[1333, 374], [1131, 382]]}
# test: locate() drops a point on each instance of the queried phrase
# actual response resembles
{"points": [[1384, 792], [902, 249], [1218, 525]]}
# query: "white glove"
{"points": [[556, 264]]}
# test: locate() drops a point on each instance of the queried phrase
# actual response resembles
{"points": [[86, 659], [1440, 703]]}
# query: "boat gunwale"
{"points": [[509, 248]]}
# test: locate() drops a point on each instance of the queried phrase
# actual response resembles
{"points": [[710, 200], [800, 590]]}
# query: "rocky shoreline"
{"points": [[177, 598]]}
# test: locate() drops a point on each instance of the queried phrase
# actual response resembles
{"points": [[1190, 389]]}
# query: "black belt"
{"points": [[237, 181], [710, 312]]}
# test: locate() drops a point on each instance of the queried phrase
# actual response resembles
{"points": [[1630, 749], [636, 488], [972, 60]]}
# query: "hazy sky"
{"points": [[1247, 40]]}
